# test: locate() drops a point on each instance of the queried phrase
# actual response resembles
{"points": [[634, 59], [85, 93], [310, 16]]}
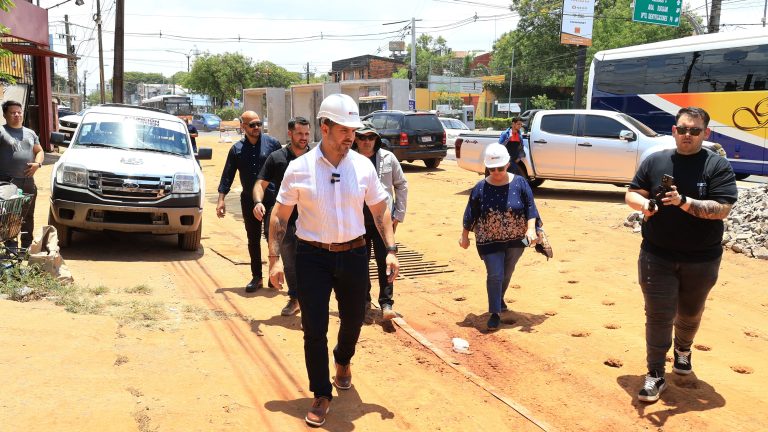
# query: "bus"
{"points": [[724, 73], [369, 104], [178, 105]]}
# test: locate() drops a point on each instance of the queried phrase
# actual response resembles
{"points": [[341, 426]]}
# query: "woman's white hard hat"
{"points": [[496, 155]]}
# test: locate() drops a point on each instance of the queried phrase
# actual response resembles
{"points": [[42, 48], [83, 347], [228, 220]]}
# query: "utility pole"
{"points": [[119, 63], [581, 59], [714, 17], [511, 71], [765, 9], [413, 60], [307, 72], [85, 90], [97, 18], [71, 62]]}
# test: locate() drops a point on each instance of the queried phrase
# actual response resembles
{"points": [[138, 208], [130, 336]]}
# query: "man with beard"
{"points": [[329, 185], [273, 172]]}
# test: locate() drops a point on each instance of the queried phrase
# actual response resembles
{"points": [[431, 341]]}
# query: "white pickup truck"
{"points": [[576, 145]]}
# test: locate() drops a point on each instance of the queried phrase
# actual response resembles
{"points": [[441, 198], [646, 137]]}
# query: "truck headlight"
{"points": [[72, 175], [185, 183]]}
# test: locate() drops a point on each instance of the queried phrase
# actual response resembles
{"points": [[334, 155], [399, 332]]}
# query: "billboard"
{"points": [[576, 24]]}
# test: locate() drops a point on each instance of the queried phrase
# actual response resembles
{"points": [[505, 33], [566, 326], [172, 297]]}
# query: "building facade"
{"points": [[364, 67]]}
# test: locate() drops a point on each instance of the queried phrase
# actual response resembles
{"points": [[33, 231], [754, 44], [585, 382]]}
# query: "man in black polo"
{"points": [[273, 172], [246, 157]]}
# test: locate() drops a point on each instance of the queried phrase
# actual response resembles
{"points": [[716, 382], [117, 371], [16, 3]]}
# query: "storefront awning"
{"points": [[33, 50]]}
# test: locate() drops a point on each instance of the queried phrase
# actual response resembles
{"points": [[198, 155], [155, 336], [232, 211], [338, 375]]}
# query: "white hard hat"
{"points": [[496, 155], [341, 109]]}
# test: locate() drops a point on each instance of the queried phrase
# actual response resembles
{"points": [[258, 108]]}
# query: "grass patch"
{"points": [[139, 289], [99, 290]]}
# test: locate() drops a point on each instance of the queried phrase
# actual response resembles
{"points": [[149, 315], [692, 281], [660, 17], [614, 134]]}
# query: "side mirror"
{"points": [[204, 153], [627, 135], [59, 139]]}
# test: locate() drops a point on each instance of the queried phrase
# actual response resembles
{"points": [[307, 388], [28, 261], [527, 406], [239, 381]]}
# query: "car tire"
{"points": [[190, 241], [63, 232], [432, 163]]}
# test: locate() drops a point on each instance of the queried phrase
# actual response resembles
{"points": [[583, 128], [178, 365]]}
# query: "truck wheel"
{"points": [[432, 163], [532, 183], [190, 241], [62, 231]]}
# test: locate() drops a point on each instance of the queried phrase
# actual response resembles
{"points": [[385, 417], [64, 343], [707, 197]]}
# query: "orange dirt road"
{"points": [[219, 359]]}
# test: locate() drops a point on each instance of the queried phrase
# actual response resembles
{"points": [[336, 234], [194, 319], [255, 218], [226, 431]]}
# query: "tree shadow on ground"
{"points": [[345, 409], [683, 394], [509, 320]]}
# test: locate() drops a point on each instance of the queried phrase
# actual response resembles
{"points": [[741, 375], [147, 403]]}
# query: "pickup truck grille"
{"points": [[111, 185]]}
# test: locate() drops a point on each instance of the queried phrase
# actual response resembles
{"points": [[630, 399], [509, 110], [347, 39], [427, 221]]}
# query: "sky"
{"points": [[162, 35]]}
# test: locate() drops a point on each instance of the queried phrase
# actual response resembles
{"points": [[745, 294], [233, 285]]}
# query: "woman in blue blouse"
{"points": [[502, 214]]}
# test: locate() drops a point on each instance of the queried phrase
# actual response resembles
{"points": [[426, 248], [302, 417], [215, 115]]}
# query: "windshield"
{"points": [[422, 121], [645, 130], [130, 132], [211, 117]]}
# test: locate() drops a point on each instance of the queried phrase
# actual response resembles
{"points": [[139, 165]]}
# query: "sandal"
{"points": [[542, 246]]}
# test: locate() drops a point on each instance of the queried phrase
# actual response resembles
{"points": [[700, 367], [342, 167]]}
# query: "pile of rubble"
{"points": [[746, 228]]}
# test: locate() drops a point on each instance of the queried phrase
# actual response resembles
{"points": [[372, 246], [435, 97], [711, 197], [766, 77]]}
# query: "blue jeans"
{"points": [[499, 266], [675, 293], [318, 272]]}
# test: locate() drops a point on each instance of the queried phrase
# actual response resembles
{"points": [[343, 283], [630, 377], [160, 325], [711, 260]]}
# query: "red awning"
{"points": [[33, 50]]}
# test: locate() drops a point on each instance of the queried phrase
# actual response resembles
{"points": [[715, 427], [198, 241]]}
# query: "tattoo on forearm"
{"points": [[708, 209], [379, 221], [276, 235]]}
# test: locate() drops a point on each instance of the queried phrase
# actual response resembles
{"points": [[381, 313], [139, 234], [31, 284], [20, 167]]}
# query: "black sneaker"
{"points": [[654, 385], [682, 365], [493, 322]]}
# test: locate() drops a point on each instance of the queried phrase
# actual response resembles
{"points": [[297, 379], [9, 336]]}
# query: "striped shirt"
{"points": [[330, 212]]}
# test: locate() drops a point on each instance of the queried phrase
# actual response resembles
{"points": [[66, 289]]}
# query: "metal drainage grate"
{"points": [[412, 265]]}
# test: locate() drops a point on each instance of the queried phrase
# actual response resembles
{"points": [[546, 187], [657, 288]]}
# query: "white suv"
{"points": [[129, 169]]}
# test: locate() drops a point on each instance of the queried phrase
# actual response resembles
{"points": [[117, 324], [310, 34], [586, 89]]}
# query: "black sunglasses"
{"points": [[694, 131], [366, 137], [501, 168], [256, 123]]}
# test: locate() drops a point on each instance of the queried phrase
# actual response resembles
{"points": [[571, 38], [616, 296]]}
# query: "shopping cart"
{"points": [[12, 212]]}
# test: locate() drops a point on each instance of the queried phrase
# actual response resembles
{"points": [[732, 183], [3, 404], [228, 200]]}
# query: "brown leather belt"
{"points": [[337, 247]]}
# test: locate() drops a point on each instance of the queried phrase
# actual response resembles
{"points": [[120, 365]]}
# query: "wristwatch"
{"points": [[683, 200], [39, 164], [392, 248], [256, 202]]}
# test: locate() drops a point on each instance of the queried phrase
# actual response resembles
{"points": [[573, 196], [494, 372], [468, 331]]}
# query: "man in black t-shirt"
{"points": [[273, 172], [682, 234]]}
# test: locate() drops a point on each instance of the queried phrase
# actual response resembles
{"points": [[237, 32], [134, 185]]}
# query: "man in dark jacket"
{"points": [[246, 157]]}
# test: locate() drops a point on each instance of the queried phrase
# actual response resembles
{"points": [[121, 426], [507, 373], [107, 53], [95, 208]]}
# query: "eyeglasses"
{"points": [[255, 124], [366, 137], [694, 131], [501, 168]]}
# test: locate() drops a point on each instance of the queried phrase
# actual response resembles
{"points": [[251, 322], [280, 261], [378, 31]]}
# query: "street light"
{"points": [[77, 2], [187, 55]]}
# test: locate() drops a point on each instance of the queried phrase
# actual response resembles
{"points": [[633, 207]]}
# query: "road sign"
{"points": [[412, 104], [662, 12]]}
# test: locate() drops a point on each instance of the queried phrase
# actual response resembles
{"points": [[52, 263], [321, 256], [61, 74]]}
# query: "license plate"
{"points": [[426, 139]]}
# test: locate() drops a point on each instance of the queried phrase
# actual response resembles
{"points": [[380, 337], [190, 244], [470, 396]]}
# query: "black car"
{"points": [[411, 135], [527, 116], [64, 111]]}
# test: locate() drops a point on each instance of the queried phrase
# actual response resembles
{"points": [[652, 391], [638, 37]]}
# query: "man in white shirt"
{"points": [[330, 184]]}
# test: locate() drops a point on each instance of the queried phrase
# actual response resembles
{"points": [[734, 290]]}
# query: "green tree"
{"points": [[60, 83], [6, 6], [542, 102], [268, 74], [433, 57], [540, 58], [94, 97], [221, 76]]}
